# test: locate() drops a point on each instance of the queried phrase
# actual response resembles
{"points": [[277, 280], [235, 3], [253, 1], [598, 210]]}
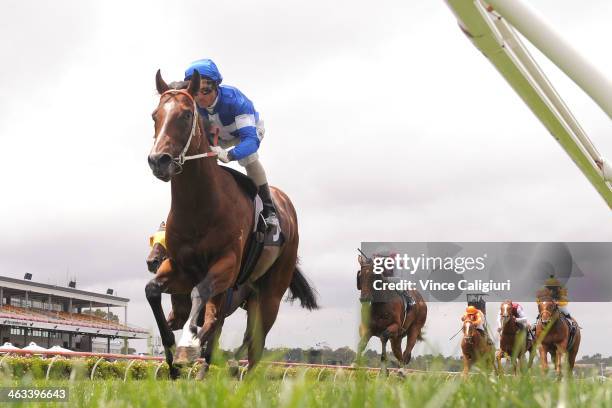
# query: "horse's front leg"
{"points": [[383, 356], [153, 291], [466, 365], [218, 279], [364, 338], [213, 323], [396, 348], [543, 359], [559, 360], [498, 356], [411, 339]]}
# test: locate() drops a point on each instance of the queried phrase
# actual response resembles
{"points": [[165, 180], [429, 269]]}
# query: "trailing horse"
{"points": [[401, 314], [514, 339], [208, 233], [554, 336]]}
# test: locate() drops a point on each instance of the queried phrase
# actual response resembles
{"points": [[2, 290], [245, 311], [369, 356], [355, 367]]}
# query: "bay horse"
{"points": [[553, 335], [514, 340], [476, 348], [391, 320], [208, 230]]}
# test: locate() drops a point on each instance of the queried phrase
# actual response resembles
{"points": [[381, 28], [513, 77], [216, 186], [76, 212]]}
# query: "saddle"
{"points": [[408, 302], [571, 324], [259, 236]]}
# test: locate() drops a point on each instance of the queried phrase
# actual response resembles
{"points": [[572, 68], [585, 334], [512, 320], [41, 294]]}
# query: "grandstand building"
{"points": [[52, 315]]}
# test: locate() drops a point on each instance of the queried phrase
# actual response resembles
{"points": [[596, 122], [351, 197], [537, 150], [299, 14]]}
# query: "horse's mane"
{"points": [[205, 122]]}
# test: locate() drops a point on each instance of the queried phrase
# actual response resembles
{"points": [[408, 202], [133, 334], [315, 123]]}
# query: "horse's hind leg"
{"points": [[262, 312]]}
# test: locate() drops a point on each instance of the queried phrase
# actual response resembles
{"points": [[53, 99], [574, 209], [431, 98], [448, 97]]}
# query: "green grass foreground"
{"points": [[301, 390]]}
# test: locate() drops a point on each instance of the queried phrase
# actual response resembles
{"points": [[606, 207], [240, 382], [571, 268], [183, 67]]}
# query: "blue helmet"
{"points": [[206, 67]]}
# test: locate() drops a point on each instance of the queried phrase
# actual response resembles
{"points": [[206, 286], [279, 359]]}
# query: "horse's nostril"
{"points": [[164, 160], [159, 160]]}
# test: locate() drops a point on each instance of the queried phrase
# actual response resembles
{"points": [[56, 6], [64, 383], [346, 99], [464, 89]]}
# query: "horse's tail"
{"points": [[301, 289]]}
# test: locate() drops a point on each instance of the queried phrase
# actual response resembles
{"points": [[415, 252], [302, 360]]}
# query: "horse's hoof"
{"points": [[402, 373], [233, 367], [186, 355], [174, 373], [202, 371]]}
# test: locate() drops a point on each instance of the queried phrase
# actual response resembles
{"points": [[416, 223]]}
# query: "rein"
{"points": [[182, 158]]}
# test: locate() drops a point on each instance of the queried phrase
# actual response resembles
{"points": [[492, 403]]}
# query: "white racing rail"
{"points": [[490, 26]]}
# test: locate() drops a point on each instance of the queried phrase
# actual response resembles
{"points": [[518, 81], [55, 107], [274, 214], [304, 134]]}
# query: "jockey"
{"points": [[239, 125], [559, 295], [476, 317]]}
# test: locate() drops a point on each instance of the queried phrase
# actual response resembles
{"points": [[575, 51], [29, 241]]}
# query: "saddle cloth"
{"points": [[260, 236]]}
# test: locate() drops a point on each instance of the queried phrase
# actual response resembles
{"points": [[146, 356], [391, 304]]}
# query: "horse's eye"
{"points": [[187, 115]]}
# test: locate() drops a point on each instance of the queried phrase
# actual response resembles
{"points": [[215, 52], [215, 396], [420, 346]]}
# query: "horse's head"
{"points": [[506, 312], [158, 253], [469, 331], [365, 278], [547, 309], [176, 126]]}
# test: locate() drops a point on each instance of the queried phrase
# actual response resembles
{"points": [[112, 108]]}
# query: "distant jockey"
{"points": [[239, 125], [476, 317], [519, 316], [558, 294], [159, 237]]}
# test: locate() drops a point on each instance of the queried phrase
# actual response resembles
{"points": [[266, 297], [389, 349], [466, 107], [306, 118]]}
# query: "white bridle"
{"points": [[182, 158]]}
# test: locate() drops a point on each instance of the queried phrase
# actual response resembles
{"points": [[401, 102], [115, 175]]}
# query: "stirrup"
{"points": [[273, 225]]}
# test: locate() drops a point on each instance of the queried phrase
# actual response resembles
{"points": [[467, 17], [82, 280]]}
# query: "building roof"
{"points": [[79, 297]]}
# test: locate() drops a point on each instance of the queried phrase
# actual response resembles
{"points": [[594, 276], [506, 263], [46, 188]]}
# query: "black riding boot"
{"points": [[269, 211]]}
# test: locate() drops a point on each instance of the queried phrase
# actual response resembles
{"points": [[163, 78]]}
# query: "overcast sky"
{"points": [[383, 123]]}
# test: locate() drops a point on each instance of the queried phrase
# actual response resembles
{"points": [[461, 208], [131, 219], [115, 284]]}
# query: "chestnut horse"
{"points": [[553, 334], [207, 232], [476, 348], [514, 341], [388, 320]]}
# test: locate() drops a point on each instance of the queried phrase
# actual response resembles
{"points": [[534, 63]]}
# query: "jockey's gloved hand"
{"points": [[222, 154], [606, 168]]}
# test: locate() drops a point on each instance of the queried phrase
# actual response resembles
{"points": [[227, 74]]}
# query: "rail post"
{"points": [[157, 369], [49, 367], [3, 365], [285, 372], [93, 369], [127, 370]]}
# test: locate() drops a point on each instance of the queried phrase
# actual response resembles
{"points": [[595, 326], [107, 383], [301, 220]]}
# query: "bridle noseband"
{"points": [[182, 157]]}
